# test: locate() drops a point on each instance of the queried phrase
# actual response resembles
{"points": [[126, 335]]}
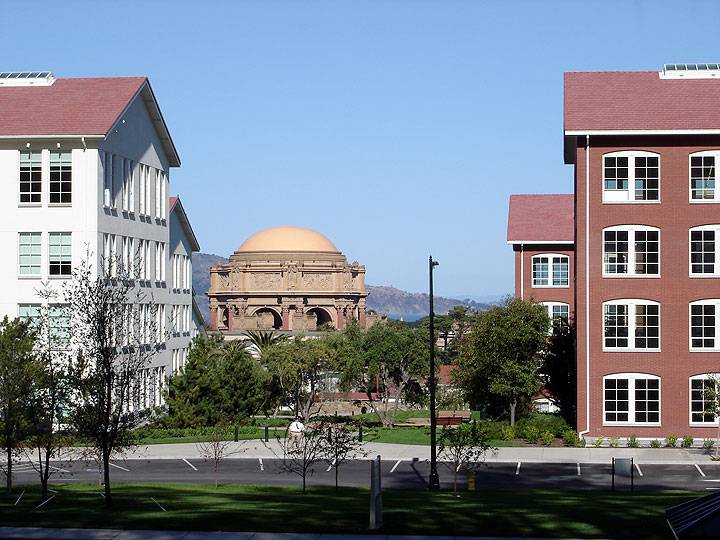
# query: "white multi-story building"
{"points": [[84, 172]]}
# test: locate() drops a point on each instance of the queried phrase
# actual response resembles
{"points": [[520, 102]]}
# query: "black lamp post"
{"points": [[434, 482]]}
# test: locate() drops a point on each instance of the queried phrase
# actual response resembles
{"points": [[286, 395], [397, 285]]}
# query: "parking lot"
{"points": [[401, 474]]}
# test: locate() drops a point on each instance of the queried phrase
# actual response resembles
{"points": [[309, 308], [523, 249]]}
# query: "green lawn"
{"points": [[538, 513]]}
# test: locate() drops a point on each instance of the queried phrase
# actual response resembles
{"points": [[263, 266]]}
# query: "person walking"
{"points": [[296, 432]]}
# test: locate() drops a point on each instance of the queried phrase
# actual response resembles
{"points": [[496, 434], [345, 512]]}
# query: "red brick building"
{"points": [[644, 275]]}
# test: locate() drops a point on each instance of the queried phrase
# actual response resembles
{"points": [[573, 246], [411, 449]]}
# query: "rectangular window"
{"points": [[701, 410], [616, 173], [158, 193], [647, 252], [616, 326], [560, 271], [125, 186], [60, 254], [702, 177], [702, 252], [617, 400], [647, 326], [131, 196], [702, 326], [108, 181], [540, 270], [28, 312], [29, 254], [59, 326], [60, 177], [616, 252], [647, 401], [30, 176], [647, 178], [560, 314], [143, 175]]}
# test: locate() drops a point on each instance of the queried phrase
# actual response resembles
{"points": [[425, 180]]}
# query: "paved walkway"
{"points": [[16, 533], [256, 449]]}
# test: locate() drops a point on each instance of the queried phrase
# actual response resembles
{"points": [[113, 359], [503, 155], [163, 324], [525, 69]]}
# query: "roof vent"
{"points": [[26, 78], [690, 71]]}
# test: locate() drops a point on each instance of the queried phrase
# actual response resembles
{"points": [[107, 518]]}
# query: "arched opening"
{"points": [[318, 317], [268, 319]]}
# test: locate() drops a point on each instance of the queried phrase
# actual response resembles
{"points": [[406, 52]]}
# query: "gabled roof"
{"points": [[541, 219], [78, 107], [177, 208], [639, 101]]}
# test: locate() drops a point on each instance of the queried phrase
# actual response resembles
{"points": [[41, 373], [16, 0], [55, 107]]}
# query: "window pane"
{"points": [[702, 177], [616, 325], [702, 326], [60, 177], [616, 400], [702, 252], [616, 252], [30, 177], [647, 326], [540, 271], [560, 271], [647, 252], [616, 173], [647, 178], [29, 253], [60, 254]]}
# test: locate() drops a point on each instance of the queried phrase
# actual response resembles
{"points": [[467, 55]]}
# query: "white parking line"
{"points": [[160, 505], [517, 471], [331, 466], [700, 470], [190, 464], [119, 467], [44, 502], [578, 468], [59, 469], [395, 466], [638, 469], [713, 480], [20, 497], [262, 467]]}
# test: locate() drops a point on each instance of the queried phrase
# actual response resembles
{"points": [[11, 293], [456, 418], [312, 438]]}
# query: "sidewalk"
{"points": [[257, 449], [16, 533]]}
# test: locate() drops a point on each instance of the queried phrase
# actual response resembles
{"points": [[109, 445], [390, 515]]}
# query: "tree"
{"points": [[342, 445], [50, 396], [301, 455], [221, 382], [559, 370], [711, 409], [301, 368], [385, 362], [464, 447], [502, 353], [261, 340], [215, 449], [18, 370], [114, 335]]}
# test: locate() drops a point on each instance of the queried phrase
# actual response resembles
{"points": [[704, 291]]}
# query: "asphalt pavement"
{"points": [[397, 474]]}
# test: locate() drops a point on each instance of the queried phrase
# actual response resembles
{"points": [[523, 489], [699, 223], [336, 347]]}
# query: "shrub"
{"points": [[507, 432], [553, 423], [632, 441], [581, 442], [614, 442], [547, 438], [708, 444], [671, 441], [654, 443], [687, 441], [531, 434], [598, 442], [570, 438]]}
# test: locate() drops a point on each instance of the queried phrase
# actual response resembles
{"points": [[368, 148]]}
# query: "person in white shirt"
{"points": [[296, 432]]}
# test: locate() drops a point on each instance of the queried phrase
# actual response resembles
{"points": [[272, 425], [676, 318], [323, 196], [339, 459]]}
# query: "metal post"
{"points": [[613, 474], [632, 474], [235, 438], [434, 481], [267, 434], [360, 434]]}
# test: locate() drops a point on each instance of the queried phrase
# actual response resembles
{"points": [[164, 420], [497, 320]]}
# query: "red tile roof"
{"points": [[541, 218], [82, 106], [641, 100]]}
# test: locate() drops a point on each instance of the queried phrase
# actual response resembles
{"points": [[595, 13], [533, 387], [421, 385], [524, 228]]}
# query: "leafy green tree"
{"points": [[221, 382], [464, 447], [18, 371], [385, 361], [260, 340], [301, 368], [502, 354]]}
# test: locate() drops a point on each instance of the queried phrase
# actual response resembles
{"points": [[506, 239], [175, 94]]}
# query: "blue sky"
{"points": [[398, 129]]}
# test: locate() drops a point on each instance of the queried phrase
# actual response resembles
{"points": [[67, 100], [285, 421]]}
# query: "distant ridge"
{"points": [[393, 302]]}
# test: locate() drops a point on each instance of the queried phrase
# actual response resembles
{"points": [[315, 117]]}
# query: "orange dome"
{"points": [[288, 239]]}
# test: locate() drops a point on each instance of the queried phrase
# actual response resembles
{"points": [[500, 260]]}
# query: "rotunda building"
{"points": [[287, 278]]}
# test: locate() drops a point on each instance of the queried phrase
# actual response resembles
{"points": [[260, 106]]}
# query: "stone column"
{"points": [[340, 318], [362, 315], [285, 318]]}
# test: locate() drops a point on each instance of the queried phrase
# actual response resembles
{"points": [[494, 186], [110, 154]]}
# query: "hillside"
{"points": [[394, 303]]}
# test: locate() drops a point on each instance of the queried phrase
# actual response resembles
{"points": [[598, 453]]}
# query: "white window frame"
{"points": [[550, 306], [30, 152], [158, 193], [632, 255], [62, 235], [700, 377], [550, 257], [704, 302], [701, 228], [622, 196], [143, 188], [716, 195], [31, 234], [632, 377], [632, 304], [108, 180]]}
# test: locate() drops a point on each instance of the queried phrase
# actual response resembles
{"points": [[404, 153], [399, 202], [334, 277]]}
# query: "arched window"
{"points": [[631, 176], [703, 176], [704, 322], [550, 270], [703, 395], [704, 251], [631, 325], [631, 398], [631, 250], [559, 313]]}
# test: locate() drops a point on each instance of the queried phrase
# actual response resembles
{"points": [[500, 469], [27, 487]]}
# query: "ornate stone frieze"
{"points": [[317, 281], [266, 280]]}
